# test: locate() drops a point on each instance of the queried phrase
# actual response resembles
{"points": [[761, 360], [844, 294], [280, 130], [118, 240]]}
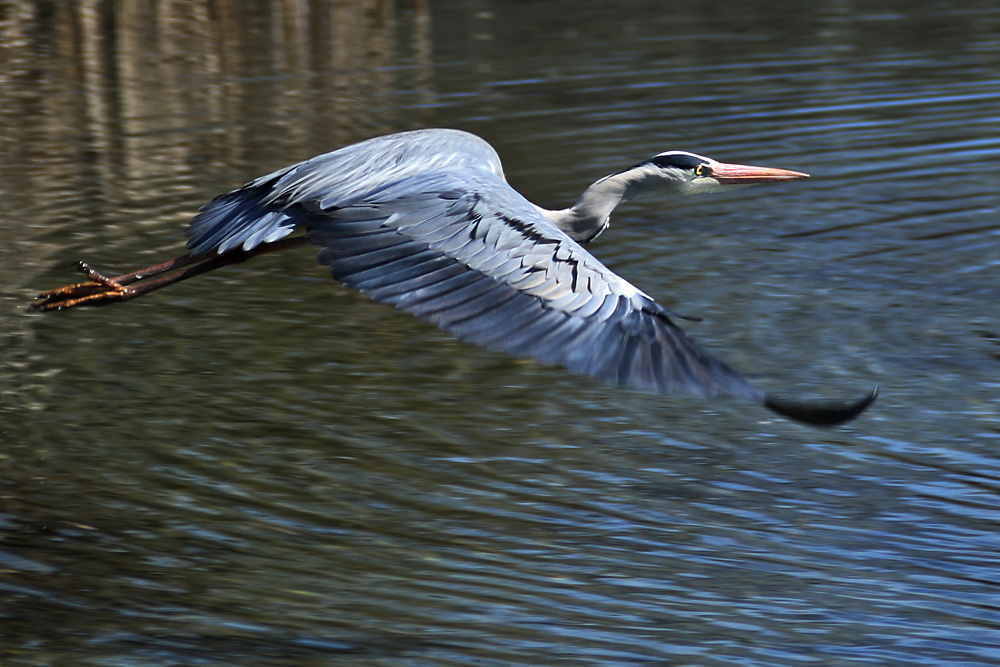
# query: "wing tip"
{"points": [[821, 414]]}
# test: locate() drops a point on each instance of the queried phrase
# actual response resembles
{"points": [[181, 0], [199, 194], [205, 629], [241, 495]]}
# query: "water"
{"points": [[263, 468]]}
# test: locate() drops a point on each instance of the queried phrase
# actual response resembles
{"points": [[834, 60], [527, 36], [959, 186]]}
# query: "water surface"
{"points": [[261, 467]]}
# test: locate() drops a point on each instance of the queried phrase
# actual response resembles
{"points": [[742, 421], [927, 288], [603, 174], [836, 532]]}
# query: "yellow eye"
{"points": [[703, 170]]}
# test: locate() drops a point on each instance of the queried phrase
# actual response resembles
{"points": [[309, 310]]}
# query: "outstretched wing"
{"points": [[441, 235], [266, 209], [467, 253]]}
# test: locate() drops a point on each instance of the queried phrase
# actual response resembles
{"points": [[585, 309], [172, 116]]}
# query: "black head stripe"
{"points": [[677, 160]]}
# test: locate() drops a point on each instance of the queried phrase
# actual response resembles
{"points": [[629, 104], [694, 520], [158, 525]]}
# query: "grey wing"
{"points": [[464, 251], [264, 210], [424, 220]]}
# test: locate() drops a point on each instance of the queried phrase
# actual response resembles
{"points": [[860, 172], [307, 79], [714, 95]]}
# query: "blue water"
{"points": [[261, 467]]}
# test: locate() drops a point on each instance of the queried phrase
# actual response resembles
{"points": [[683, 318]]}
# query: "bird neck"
{"points": [[589, 216]]}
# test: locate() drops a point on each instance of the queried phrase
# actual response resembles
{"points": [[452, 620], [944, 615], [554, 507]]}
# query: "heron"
{"points": [[426, 221]]}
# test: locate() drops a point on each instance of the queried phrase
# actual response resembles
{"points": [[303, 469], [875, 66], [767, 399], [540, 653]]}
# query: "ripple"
{"points": [[266, 468]]}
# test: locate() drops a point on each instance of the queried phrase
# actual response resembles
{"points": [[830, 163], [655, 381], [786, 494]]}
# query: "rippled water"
{"points": [[263, 468]]}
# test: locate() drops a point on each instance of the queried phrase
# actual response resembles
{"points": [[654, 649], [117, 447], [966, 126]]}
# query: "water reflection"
{"points": [[267, 469], [148, 97]]}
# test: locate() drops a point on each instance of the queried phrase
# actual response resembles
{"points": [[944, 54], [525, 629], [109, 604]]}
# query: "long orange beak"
{"points": [[740, 174]]}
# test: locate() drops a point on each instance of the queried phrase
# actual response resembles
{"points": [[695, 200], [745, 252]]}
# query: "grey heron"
{"points": [[426, 221]]}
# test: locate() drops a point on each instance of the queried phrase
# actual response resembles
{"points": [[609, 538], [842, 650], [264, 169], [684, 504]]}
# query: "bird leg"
{"points": [[100, 289]]}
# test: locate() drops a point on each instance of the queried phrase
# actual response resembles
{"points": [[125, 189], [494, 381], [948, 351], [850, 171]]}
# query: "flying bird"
{"points": [[426, 221]]}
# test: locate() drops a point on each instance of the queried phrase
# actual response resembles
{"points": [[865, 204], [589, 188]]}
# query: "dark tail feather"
{"points": [[820, 414]]}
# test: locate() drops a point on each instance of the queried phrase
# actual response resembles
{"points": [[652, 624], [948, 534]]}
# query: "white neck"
{"points": [[589, 216]]}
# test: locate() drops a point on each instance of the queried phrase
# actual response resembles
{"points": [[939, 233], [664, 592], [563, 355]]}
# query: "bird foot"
{"points": [[95, 292]]}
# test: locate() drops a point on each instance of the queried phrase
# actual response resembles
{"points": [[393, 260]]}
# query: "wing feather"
{"points": [[400, 285], [425, 221]]}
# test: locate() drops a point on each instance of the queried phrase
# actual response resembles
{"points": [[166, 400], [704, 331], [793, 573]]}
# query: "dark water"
{"points": [[263, 468]]}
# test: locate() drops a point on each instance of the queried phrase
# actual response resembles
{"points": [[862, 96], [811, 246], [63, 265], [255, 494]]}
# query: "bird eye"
{"points": [[703, 170]]}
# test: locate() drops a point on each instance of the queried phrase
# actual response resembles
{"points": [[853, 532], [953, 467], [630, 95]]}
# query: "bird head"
{"points": [[689, 174]]}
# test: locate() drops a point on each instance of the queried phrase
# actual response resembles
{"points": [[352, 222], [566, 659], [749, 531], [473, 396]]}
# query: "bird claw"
{"points": [[95, 275], [95, 292]]}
